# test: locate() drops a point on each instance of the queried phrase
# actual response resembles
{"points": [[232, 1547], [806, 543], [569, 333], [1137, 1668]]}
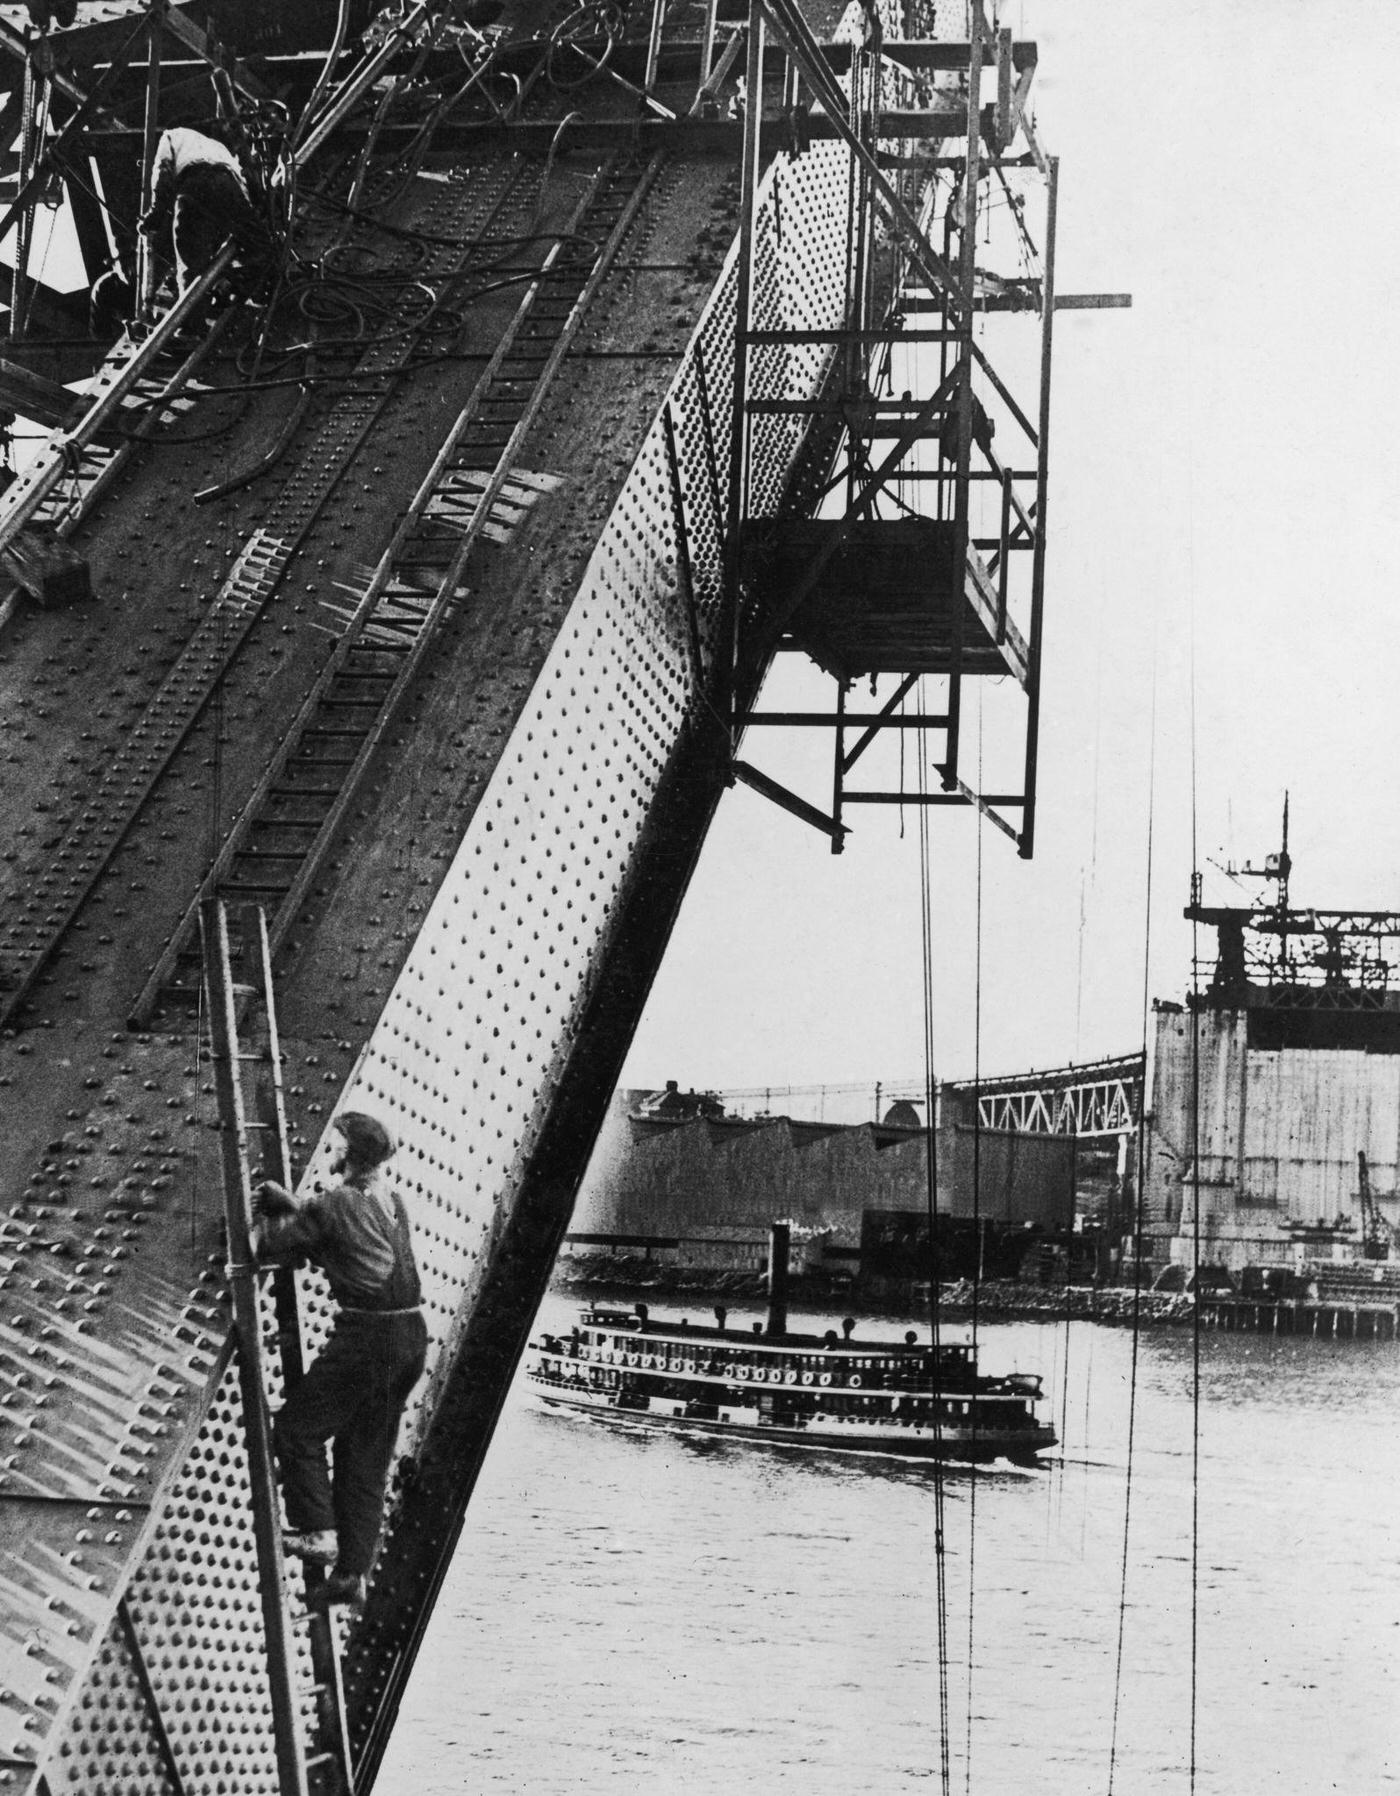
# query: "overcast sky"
{"points": [[1224, 473]]}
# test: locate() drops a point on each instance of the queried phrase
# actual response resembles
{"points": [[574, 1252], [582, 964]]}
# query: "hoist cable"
{"points": [[977, 1239], [931, 1201], [1195, 1195], [1138, 1171]]}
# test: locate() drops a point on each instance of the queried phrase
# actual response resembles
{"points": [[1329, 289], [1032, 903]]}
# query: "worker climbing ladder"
{"points": [[321, 1765]]}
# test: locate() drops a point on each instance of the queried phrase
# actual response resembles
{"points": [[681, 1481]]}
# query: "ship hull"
{"points": [[911, 1441]]}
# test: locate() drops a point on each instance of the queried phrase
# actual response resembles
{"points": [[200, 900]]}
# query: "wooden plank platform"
{"points": [[878, 596]]}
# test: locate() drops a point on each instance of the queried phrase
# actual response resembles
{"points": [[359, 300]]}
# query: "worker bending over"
{"points": [[354, 1394], [198, 185]]}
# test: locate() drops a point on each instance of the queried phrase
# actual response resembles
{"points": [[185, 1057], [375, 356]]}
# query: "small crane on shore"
{"points": [[1376, 1233]]}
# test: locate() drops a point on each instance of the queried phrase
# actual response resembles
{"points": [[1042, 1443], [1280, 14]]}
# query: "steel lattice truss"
{"points": [[1102, 1099]]}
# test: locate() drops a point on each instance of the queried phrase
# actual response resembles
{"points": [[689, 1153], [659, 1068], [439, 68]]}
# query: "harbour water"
{"points": [[630, 1610]]}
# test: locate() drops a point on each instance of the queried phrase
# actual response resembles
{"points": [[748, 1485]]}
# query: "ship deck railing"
{"points": [[1012, 1390], [869, 1372], [872, 1405]]}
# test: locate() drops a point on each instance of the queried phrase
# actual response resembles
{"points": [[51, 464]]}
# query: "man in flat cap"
{"points": [[354, 1394]]}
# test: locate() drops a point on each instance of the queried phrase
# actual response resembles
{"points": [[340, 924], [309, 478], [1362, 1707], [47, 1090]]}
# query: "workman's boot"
{"points": [[338, 1588], [318, 1546]]}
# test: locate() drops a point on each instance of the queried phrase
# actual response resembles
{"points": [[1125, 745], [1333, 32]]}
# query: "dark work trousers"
{"points": [[353, 1395], [210, 207]]}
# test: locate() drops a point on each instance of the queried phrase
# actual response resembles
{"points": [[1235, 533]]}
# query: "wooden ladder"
{"points": [[321, 1765]]}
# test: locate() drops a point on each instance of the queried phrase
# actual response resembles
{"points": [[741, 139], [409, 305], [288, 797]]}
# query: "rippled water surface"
{"points": [[638, 1611]]}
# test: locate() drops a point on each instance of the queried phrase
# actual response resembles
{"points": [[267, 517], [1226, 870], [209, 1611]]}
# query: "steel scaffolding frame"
{"points": [[952, 287]]}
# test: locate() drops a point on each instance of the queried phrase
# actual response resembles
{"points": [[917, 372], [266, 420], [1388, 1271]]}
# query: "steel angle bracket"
{"points": [[789, 801]]}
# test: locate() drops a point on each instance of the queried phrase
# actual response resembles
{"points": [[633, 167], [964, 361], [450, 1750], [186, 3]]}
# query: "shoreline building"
{"points": [[1273, 1130], [677, 1180]]}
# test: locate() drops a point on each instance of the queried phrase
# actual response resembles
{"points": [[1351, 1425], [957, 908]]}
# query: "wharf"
{"points": [[1336, 1320], [998, 1300], [1006, 1300]]}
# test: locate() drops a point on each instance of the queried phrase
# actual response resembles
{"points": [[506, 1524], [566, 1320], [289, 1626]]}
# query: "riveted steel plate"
{"points": [[462, 1062]]}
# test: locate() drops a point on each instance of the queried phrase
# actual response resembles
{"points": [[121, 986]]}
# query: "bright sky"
{"points": [[1224, 476]]}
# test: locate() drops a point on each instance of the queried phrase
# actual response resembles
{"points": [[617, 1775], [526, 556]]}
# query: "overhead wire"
{"points": [[935, 1305], [977, 1237], [1195, 1168], [1138, 1172], [1088, 876]]}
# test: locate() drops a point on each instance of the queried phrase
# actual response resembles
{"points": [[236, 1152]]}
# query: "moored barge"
{"points": [[923, 1400]]}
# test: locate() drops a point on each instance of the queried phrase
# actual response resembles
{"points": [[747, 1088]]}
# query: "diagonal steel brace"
{"points": [[789, 24]]}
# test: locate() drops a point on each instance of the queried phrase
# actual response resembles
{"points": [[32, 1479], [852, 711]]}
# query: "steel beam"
{"points": [[209, 50], [18, 44], [360, 80], [145, 252], [786, 800], [876, 720], [114, 381], [473, 1385], [838, 769], [931, 55], [1042, 484], [88, 108], [806, 52], [891, 716], [967, 280], [737, 497]]}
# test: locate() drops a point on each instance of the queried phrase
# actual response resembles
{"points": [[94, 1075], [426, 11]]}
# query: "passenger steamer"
{"points": [[926, 1401]]}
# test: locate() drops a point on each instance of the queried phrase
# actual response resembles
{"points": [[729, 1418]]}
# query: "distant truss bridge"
{"points": [[1101, 1098]]}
